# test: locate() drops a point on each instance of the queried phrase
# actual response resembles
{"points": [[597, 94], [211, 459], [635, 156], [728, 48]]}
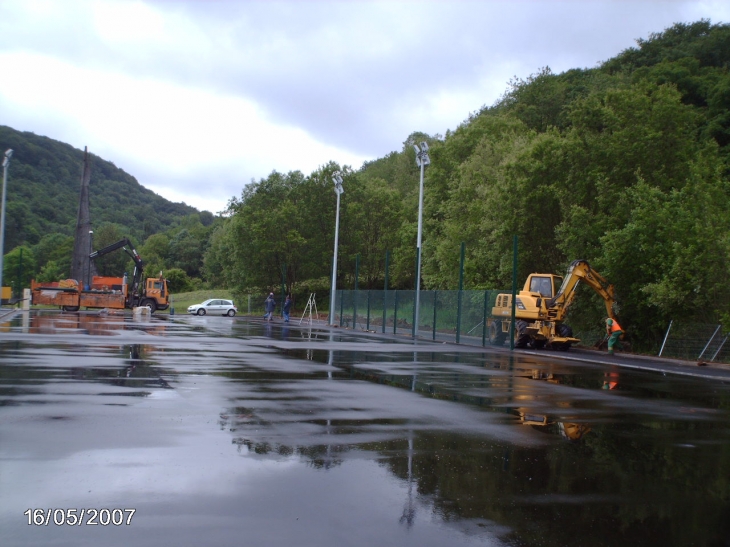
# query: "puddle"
{"points": [[304, 436]]}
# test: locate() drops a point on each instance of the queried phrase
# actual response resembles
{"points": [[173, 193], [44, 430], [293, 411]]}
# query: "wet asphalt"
{"points": [[208, 430]]}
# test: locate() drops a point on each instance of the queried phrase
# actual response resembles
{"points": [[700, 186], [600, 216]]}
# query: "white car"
{"points": [[214, 306]]}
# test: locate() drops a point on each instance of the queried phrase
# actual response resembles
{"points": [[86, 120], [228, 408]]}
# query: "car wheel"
{"points": [[71, 308], [231, 313], [201, 311]]}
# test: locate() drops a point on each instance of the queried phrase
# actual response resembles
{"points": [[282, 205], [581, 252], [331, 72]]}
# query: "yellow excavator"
{"points": [[541, 307]]}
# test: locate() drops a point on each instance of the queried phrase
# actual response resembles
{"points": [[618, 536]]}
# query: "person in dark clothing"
{"points": [[287, 308], [269, 306]]}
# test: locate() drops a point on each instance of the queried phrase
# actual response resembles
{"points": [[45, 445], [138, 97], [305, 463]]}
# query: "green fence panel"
{"points": [[406, 303], [425, 314]]}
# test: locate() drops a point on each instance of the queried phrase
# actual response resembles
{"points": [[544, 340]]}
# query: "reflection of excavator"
{"points": [[541, 307], [571, 431]]}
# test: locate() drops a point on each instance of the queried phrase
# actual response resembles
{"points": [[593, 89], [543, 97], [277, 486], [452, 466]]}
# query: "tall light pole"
{"points": [[6, 163], [337, 179], [422, 160]]}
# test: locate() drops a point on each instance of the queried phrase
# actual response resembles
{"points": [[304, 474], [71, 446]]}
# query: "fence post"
{"points": [[709, 342], [342, 305], [718, 349], [435, 295], [484, 319], [514, 295], [385, 290], [665, 337], [367, 324], [461, 290], [354, 296], [395, 315]]}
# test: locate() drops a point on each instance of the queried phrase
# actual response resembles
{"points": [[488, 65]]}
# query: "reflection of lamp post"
{"points": [[422, 160], [337, 179], [91, 250], [6, 163]]}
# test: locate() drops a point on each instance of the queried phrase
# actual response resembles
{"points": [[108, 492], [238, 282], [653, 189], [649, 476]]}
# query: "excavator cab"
{"points": [[545, 285]]}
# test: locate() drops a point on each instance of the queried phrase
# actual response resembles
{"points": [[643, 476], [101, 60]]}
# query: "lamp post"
{"points": [[337, 179], [422, 160], [6, 163]]}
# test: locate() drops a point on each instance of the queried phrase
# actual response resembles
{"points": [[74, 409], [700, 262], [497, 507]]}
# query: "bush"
{"points": [[178, 281]]}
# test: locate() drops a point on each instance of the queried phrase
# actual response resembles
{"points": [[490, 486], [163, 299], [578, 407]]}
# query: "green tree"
{"points": [[177, 280], [50, 272], [19, 267], [117, 262]]}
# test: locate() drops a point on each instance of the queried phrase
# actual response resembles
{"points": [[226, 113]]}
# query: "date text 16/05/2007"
{"points": [[79, 517]]}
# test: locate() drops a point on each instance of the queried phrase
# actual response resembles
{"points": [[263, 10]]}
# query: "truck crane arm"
{"points": [[121, 244], [578, 271], [138, 263]]}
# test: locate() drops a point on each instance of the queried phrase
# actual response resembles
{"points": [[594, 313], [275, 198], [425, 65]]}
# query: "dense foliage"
{"points": [[624, 165]]}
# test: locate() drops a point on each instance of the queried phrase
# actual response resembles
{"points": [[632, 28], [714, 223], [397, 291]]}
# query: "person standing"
{"points": [[287, 308], [614, 332], [269, 306]]}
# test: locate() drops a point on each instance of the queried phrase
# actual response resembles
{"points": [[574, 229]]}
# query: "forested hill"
{"points": [[43, 193], [624, 165]]}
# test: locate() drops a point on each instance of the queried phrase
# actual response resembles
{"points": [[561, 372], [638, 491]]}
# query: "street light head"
{"points": [[418, 150], [424, 146], [91, 231], [337, 180], [8, 153]]}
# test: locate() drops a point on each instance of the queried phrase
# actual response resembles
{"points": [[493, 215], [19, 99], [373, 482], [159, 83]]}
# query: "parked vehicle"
{"points": [[215, 306]]}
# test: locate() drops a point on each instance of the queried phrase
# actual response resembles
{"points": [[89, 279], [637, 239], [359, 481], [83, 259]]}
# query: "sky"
{"points": [[198, 98]]}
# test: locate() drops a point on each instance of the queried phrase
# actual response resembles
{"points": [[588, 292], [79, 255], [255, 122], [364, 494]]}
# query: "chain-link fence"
{"points": [[696, 342], [453, 316]]}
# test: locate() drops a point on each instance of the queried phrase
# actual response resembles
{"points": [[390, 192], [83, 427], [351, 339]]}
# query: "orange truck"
{"points": [[106, 292]]}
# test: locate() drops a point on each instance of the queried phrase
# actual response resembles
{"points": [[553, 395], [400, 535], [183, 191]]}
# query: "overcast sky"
{"points": [[196, 98]]}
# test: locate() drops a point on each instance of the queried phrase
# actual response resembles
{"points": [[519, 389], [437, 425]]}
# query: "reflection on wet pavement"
{"points": [[223, 429]]}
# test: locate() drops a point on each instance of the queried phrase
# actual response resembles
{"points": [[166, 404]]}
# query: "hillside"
{"points": [[43, 193]]}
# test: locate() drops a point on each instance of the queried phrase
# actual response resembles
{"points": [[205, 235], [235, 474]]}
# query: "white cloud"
{"points": [[196, 98], [178, 132]]}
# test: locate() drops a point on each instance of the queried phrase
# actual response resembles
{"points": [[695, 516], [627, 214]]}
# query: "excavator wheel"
{"points": [[152, 303], [538, 344], [521, 336], [496, 336]]}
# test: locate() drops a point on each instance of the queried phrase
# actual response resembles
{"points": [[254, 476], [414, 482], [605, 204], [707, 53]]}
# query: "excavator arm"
{"points": [[578, 271]]}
